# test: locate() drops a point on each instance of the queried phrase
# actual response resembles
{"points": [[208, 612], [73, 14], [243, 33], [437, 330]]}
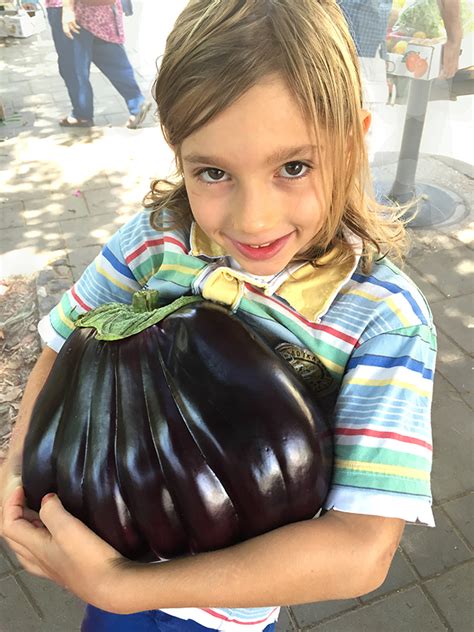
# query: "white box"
{"points": [[420, 61], [423, 58], [20, 24]]}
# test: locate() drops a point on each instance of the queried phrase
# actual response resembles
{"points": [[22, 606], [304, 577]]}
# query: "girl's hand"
{"points": [[63, 549], [10, 478]]}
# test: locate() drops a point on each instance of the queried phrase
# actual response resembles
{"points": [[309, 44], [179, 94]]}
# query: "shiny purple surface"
{"points": [[190, 436]]}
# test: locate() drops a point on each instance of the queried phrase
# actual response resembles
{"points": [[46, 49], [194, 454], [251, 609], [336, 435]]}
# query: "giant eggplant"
{"points": [[175, 430]]}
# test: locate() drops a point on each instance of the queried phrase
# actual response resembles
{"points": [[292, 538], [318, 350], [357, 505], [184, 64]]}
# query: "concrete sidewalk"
{"points": [[67, 191]]}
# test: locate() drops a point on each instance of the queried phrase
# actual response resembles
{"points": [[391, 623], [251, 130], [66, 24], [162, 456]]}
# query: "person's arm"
{"points": [[338, 556], [451, 13], [70, 26], [10, 470]]}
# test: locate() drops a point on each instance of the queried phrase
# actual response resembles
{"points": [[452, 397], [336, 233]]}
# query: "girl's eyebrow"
{"points": [[282, 154]]}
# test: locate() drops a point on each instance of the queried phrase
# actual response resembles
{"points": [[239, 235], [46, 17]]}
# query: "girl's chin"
{"points": [[261, 268]]}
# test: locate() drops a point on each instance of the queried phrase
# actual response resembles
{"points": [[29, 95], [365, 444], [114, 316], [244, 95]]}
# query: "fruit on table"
{"points": [[400, 47], [175, 430]]}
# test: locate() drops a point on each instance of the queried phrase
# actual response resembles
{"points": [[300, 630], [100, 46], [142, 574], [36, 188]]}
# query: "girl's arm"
{"points": [[10, 470], [337, 556]]}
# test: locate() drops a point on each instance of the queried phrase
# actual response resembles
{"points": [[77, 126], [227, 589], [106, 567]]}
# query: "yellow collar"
{"points": [[202, 246], [309, 290]]}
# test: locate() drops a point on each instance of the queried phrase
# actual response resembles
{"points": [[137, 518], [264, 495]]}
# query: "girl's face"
{"points": [[254, 181]]}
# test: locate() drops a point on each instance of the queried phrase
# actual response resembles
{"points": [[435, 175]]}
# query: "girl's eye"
{"points": [[295, 169], [212, 174]]}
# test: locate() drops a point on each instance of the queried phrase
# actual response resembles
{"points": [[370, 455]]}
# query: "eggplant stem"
{"points": [[116, 321], [145, 301]]}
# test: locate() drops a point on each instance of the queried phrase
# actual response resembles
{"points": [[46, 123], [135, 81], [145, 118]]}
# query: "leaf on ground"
{"points": [[10, 394]]}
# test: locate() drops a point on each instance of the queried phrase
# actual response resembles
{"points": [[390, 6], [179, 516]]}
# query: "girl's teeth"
{"points": [[261, 245]]}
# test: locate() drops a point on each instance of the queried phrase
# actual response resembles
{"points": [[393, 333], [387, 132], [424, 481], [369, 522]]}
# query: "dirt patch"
{"points": [[19, 348]]}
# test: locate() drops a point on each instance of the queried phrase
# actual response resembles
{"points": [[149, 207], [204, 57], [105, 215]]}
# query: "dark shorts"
{"points": [[97, 620]]}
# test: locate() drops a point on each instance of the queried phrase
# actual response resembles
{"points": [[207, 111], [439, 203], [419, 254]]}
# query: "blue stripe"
{"points": [[118, 265], [387, 363], [394, 289]]}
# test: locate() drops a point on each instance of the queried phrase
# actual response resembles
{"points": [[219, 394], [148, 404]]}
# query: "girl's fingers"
{"points": [[14, 505], [16, 528], [30, 515], [58, 521]]}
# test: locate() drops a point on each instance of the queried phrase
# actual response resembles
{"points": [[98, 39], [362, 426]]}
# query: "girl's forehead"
{"points": [[265, 120]]}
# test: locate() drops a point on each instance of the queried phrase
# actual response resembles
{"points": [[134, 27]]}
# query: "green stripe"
{"points": [[58, 325], [385, 482], [422, 331], [151, 267], [148, 268], [180, 259], [382, 456], [175, 276]]}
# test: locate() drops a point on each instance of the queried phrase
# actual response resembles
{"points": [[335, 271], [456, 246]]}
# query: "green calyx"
{"points": [[115, 321]]}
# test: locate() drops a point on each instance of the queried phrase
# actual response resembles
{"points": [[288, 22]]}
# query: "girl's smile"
{"points": [[263, 251], [254, 179]]}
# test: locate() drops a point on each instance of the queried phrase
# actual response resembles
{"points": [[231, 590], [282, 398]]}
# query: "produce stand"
{"points": [[419, 58]]}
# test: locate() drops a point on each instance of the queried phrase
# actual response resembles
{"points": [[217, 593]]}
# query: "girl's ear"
{"points": [[366, 119]]}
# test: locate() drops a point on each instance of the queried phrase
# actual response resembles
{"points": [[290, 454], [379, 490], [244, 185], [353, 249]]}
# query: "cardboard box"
{"points": [[419, 61], [20, 23], [422, 59]]}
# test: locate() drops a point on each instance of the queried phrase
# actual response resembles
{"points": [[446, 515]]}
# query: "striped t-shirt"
{"points": [[365, 343]]}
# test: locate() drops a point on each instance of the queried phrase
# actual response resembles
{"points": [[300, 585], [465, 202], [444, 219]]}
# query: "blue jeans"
{"points": [[97, 620], [66, 65], [111, 59]]}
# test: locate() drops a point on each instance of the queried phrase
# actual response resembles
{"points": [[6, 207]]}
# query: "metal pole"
{"points": [[403, 189]]}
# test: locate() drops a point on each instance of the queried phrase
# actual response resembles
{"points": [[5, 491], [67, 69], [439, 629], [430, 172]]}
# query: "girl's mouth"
{"points": [[260, 252]]}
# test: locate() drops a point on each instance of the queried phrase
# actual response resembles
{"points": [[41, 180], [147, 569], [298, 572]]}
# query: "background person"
{"points": [[66, 63], [97, 34]]}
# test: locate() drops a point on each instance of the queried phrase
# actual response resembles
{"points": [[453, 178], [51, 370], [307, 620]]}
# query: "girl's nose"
{"points": [[254, 210]]}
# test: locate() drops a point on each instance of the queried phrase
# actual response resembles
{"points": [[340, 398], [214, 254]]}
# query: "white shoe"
{"points": [[135, 120]]}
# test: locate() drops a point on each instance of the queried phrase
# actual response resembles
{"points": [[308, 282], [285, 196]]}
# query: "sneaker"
{"points": [[135, 120]]}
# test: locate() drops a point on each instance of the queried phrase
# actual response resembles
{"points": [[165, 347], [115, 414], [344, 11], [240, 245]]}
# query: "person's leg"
{"points": [[64, 49], [111, 59], [82, 46]]}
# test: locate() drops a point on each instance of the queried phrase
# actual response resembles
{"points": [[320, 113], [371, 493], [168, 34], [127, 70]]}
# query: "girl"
{"points": [[271, 214]]}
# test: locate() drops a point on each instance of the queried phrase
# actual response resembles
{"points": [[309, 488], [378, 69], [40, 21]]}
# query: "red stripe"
{"points": [[79, 300], [218, 615], [329, 330], [383, 435], [155, 242]]}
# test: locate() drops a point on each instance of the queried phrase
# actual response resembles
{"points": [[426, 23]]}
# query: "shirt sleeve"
{"points": [[382, 428], [108, 279]]}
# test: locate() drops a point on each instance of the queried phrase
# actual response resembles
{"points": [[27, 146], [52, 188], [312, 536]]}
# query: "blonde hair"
{"points": [[218, 49]]}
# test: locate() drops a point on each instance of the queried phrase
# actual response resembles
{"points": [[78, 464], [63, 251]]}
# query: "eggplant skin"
{"points": [[190, 436]]}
